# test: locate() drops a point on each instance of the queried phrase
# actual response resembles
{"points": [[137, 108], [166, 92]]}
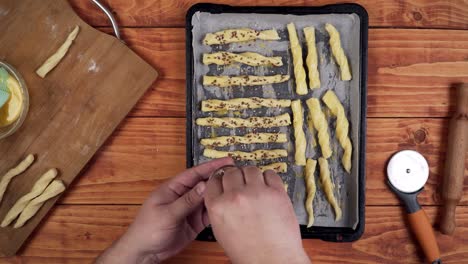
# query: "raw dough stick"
{"points": [[244, 80], [338, 53], [312, 60], [250, 138], [320, 123], [55, 188], [278, 167], [36, 190], [310, 125], [53, 60], [261, 154], [299, 136], [311, 189], [239, 35], [243, 103], [286, 185], [296, 50], [328, 187], [20, 168], [248, 58], [255, 121], [342, 127]]}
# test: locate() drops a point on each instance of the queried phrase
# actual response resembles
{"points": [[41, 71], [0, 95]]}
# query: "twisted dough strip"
{"points": [[342, 127], [278, 167], [240, 155], [239, 35], [242, 103], [248, 58], [311, 189], [338, 53], [20, 168], [254, 121], [296, 50], [299, 136], [250, 138], [311, 59], [320, 123], [328, 187], [244, 80]]}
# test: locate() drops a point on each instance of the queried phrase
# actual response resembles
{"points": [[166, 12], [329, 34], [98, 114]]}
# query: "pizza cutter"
{"points": [[407, 172]]}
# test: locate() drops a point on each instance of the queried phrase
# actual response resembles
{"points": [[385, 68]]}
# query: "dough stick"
{"points": [[239, 35], [299, 136], [261, 154], [255, 121], [296, 50], [55, 188], [338, 53], [250, 138], [244, 80], [327, 185], [342, 127], [311, 189], [36, 190], [248, 58], [243, 103], [320, 123], [53, 60], [278, 167], [20, 168], [286, 185], [312, 60]]}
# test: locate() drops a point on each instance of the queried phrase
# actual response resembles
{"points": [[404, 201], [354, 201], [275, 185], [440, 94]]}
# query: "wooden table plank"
{"points": [[145, 151], [411, 72], [77, 234], [382, 13]]}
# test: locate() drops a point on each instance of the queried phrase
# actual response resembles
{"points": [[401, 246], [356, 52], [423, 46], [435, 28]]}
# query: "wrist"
{"points": [[123, 252]]}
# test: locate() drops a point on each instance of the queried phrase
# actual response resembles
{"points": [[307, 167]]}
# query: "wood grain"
{"points": [[411, 72], [382, 13], [77, 234], [74, 109], [145, 151]]}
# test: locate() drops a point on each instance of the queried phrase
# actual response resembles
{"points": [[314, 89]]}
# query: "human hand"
{"points": [[169, 219], [252, 217]]}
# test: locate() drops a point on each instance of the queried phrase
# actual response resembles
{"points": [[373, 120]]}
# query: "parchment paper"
{"points": [[348, 93]]}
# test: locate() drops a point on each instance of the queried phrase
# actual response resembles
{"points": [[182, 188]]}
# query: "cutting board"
{"points": [[74, 109]]}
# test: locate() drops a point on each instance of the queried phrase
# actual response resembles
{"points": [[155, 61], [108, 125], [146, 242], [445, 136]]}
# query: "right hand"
{"points": [[252, 217]]}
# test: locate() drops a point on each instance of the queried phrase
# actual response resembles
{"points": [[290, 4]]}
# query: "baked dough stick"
{"points": [[312, 59], [320, 123], [311, 189], [20, 168], [255, 121], [328, 187], [278, 167], [261, 154], [243, 103], [338, 53], [239, 35], [243, 80], [296, 50], [248, 58], [53, 60], [55, 188], [250, 138], [36, 190], [342, 127], [299, 136]]}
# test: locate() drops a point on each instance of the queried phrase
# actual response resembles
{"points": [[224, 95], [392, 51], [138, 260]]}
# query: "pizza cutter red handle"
{"points": [[424, 233]]}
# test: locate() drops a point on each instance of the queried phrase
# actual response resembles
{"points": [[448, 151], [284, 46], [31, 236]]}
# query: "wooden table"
{"points": [[418, 50]]}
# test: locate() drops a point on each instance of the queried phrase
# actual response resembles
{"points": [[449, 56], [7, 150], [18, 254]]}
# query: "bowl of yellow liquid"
{"points": [[14, 100]]}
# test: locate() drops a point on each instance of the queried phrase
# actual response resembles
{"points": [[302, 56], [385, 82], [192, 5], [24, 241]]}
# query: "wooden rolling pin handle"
{"points": [[457, 147]]}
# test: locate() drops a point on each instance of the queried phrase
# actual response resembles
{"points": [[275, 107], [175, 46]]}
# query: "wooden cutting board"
{"points": [[73, 109]]}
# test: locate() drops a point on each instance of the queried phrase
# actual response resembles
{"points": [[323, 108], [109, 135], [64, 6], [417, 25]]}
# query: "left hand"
{"points": [[169, 219]]}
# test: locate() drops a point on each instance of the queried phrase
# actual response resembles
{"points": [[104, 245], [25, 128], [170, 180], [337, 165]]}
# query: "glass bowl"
{"points": [[13, 127]]}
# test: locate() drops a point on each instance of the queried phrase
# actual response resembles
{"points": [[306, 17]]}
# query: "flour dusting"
{"points": [[93, 67]]}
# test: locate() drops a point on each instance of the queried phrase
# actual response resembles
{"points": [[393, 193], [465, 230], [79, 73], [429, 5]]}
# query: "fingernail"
{"points": [[200, 188]]}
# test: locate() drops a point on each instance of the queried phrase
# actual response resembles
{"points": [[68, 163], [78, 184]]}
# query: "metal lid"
{"points": [[408, 171]]}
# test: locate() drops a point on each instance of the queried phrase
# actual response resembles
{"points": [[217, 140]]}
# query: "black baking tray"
{"points": [[333, 234]]}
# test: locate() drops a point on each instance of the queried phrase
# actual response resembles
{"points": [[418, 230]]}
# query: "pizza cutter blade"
{"points": [[407, 173]]}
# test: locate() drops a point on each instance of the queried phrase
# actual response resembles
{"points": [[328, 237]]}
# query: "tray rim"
{"points": [[332, 234]]}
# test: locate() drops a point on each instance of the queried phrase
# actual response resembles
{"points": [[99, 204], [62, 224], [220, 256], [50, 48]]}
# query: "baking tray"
{"points": [[343, 231]]}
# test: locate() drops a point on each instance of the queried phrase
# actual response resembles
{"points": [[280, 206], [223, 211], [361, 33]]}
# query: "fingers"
{"points": [[232, 179], [201, 172], [273, 180], [188, 202], [214, 188], [253, 175]]}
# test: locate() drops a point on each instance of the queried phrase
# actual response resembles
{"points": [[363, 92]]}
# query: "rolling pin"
{"points": [[457, 147]]}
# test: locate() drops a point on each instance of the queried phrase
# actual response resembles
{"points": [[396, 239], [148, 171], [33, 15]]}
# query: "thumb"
{"points": [[188, 202]]}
